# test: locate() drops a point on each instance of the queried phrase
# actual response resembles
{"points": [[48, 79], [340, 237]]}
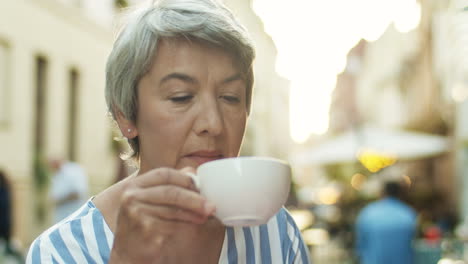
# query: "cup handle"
{"points": [[195, 179]]}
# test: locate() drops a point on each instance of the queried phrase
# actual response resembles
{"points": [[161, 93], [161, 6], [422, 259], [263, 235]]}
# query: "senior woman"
{"points": [[179, 85]]}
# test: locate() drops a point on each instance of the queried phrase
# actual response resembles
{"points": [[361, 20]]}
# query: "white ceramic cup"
{"points": [[246, 191]]}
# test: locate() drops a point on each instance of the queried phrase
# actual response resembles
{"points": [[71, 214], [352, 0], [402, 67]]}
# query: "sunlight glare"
{"points": [[308, 106], [313, 38], [409, 17]]}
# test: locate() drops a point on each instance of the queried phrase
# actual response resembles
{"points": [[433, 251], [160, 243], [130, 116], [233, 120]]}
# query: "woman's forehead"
{"points": [[193, 56], [174, 45]]}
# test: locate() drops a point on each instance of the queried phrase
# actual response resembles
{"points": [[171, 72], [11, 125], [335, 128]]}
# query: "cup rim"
{"points": [[262, 158]]}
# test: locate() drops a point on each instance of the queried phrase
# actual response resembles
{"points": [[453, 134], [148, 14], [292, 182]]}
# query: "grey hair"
{"points": [[135, 47]]}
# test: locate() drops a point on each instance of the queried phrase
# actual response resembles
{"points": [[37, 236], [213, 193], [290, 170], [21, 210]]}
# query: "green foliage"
{"points": [[343, 172], [41, 183], [41, 173], [120, 3]]}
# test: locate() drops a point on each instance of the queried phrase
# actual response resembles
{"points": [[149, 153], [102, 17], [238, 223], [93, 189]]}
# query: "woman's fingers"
{"points": [[166, 176], [143, 231], [168, 188], [175, 196], [167, 213]]}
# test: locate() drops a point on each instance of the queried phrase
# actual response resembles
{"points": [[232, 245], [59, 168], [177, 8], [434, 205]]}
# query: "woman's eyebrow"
{"points": [[178, 76], [189, 79], [234, 77]]}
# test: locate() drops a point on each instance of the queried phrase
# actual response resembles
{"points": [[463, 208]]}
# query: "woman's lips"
{"points": [[201, 157]]}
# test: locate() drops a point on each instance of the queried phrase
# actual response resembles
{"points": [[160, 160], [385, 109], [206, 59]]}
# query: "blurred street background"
{"points": [[351, 92]]}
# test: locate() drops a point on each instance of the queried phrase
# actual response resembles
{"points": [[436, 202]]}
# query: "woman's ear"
{"points": [[127, 127]]}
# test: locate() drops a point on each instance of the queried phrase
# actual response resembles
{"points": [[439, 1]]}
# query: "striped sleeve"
{"points": [[277, 242], [35, 255], [82, 238]]}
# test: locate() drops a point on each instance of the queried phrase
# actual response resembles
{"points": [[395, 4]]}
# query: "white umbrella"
{"points": [[398, 143]]}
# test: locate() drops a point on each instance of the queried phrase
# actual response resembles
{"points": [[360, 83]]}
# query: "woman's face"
{"points": [[191, 106]]}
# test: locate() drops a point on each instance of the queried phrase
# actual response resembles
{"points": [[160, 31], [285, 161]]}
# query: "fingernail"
{"points": [[192, 177], [209, 208]]}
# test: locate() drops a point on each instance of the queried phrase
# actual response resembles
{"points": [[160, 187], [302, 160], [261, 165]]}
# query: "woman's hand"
{"points": [[155, 206]]}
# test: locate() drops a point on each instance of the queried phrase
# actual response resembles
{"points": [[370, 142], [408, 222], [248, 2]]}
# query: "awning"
{"points": [[347, 147]]}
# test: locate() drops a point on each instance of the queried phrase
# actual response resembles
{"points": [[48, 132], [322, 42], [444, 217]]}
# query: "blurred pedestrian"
{"points": [[385, 229], [5, 209], [5, 218], [69, 188]]}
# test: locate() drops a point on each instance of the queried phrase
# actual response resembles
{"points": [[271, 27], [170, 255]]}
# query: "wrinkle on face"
{"points": [[171, 127]]}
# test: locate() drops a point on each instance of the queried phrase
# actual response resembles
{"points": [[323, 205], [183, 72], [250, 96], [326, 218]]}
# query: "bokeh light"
{"points": [[316, 236], [357, 180], [329, 195], [374, 160], [303, 218]]}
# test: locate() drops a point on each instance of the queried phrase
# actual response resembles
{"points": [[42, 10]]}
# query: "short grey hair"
{"points": [[208, 21]]}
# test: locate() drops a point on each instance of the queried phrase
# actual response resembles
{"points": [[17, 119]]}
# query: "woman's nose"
{"points": [[210, 119]]}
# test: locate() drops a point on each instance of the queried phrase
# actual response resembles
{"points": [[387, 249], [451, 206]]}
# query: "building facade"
{"points": [[450, 52], [417, 81], [52, 61]]}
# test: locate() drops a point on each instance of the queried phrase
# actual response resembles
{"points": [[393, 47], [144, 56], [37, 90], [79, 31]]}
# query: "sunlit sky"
{"points": [[313, 38]]}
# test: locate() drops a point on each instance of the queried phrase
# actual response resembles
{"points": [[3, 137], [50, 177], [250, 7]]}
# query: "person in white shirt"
{"points": [[69, 188]]}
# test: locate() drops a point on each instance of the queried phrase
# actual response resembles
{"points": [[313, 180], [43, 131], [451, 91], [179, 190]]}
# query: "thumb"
{"points": [[186, 170], [191, 172]]}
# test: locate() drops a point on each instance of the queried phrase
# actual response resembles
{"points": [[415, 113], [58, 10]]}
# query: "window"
{"points": [[4, 84], [74, 78], [41, 68]]}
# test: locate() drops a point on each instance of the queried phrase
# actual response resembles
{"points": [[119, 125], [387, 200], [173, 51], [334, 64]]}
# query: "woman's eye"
{"points": [[231, 99], [181, 99]]}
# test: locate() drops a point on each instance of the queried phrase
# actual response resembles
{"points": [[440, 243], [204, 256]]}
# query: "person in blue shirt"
{"points": [[385, 229]]}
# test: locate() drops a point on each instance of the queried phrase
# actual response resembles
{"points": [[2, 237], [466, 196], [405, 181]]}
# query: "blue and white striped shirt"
{"points": [[84, 237]]}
